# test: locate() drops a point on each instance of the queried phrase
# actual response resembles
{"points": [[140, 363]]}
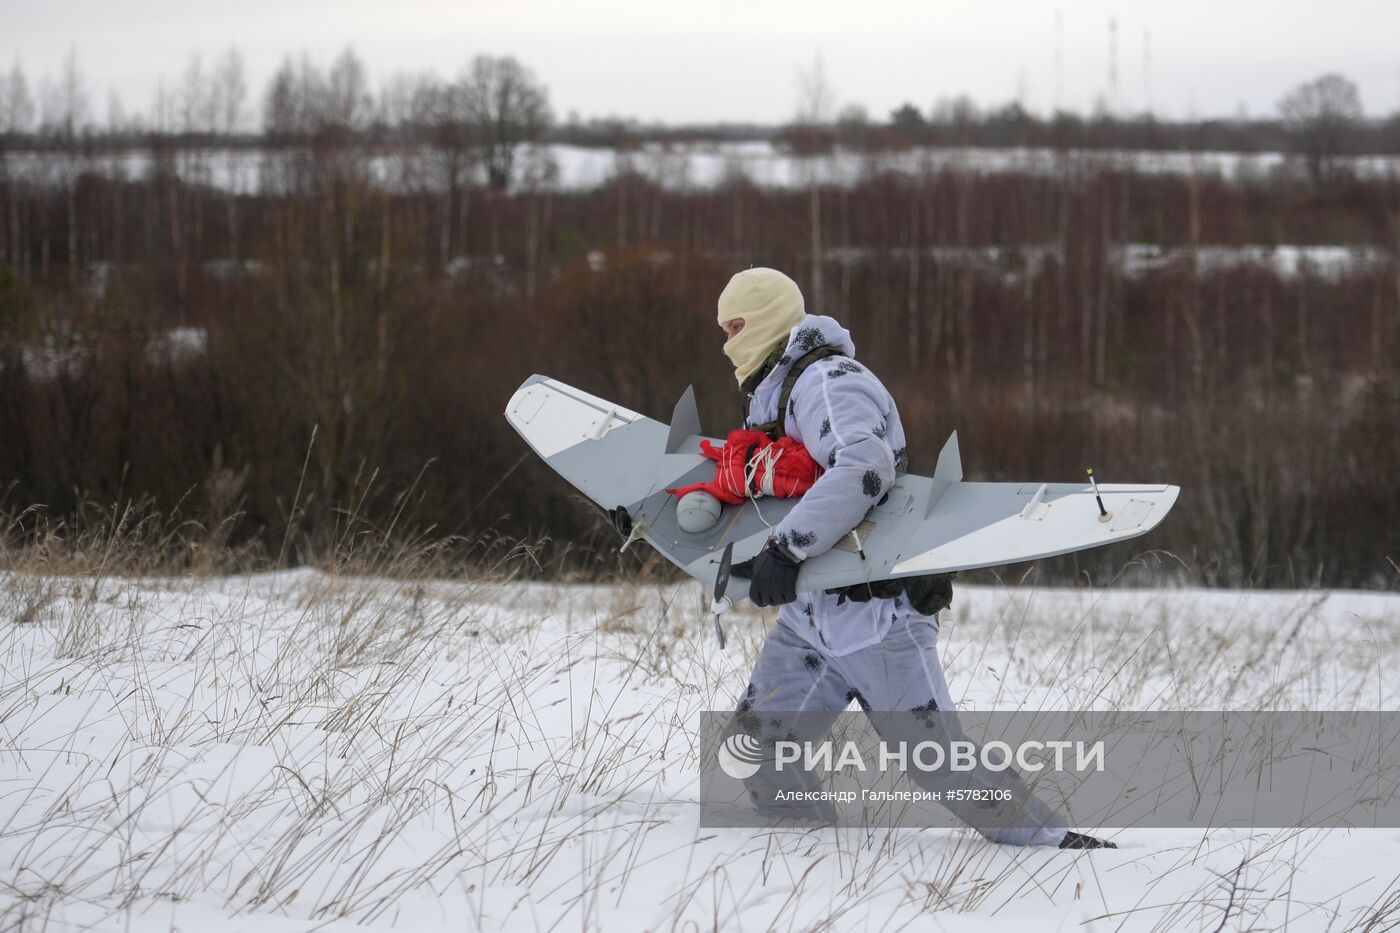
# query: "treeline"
{"points": [[496, 101], [478, 118], [263, 363]]}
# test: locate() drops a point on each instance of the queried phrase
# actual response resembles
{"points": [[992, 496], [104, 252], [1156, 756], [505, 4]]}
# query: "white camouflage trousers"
{"points": [[901, 672]]}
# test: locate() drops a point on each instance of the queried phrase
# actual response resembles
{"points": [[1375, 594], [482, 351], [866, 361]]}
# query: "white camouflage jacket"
{"points": [[847, 420]]}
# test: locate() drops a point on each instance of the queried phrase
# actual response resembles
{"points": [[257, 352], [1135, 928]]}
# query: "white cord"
{"points": [[770, 457], [766, 460]]}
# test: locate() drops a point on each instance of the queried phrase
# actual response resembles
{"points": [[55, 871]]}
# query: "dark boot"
{"points": [[1075, 840]]}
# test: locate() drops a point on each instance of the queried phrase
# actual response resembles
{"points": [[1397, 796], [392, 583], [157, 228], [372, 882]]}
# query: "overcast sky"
{"points": [[725, 60]]}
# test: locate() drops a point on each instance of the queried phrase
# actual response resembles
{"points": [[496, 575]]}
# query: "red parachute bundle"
{"points": [[752, 464]]}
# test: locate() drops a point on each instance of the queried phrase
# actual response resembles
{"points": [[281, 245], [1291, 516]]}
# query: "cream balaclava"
{"points": [[770, 304]]}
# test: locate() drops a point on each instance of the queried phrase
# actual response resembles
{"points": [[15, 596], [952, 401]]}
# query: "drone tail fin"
{"points": [[685, 421], [948, 471]]}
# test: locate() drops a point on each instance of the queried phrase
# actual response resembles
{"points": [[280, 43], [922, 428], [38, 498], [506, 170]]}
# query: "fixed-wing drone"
{"points": [[924, 525]]}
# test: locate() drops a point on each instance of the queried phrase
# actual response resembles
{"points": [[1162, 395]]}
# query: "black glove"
{"points": [[620, 520], [929, 594], [772, 574]]}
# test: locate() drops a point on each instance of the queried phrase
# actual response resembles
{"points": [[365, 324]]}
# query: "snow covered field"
{"points": [[306, 751]]}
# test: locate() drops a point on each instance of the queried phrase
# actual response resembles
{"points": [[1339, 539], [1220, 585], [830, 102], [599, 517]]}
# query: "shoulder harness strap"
{"points": [[777, 428]]}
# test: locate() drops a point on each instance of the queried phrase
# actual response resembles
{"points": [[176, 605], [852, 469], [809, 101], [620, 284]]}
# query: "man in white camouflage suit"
{"points": [[876, 645]]}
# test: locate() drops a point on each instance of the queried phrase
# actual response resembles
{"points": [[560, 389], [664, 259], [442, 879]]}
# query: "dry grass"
{"points": [[388, 740]]}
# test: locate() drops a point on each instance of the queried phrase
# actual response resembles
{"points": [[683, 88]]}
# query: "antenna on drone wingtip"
{"points": [[1103, 512]]}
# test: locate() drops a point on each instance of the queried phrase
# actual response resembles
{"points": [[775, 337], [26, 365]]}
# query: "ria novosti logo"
{"points": [[740, 756]]}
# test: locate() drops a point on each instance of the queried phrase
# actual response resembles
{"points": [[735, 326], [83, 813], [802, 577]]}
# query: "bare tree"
{"points": [[74, 96], [280, 110], [162, 109], [506, 107], [407, 101], [814, 102], [16, 116], [228, 98], [16, 105], [1320, 115], [196, 109], [66, 114], [294, 102], [407, 106], [450, 116], [347, 102], [814, 95], [65, 104], [230, 92], [117, 122]]}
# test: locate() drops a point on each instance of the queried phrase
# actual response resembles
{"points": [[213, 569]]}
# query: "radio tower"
{"points": [[1147, 71], [1059, 60], [1112, 65]]}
